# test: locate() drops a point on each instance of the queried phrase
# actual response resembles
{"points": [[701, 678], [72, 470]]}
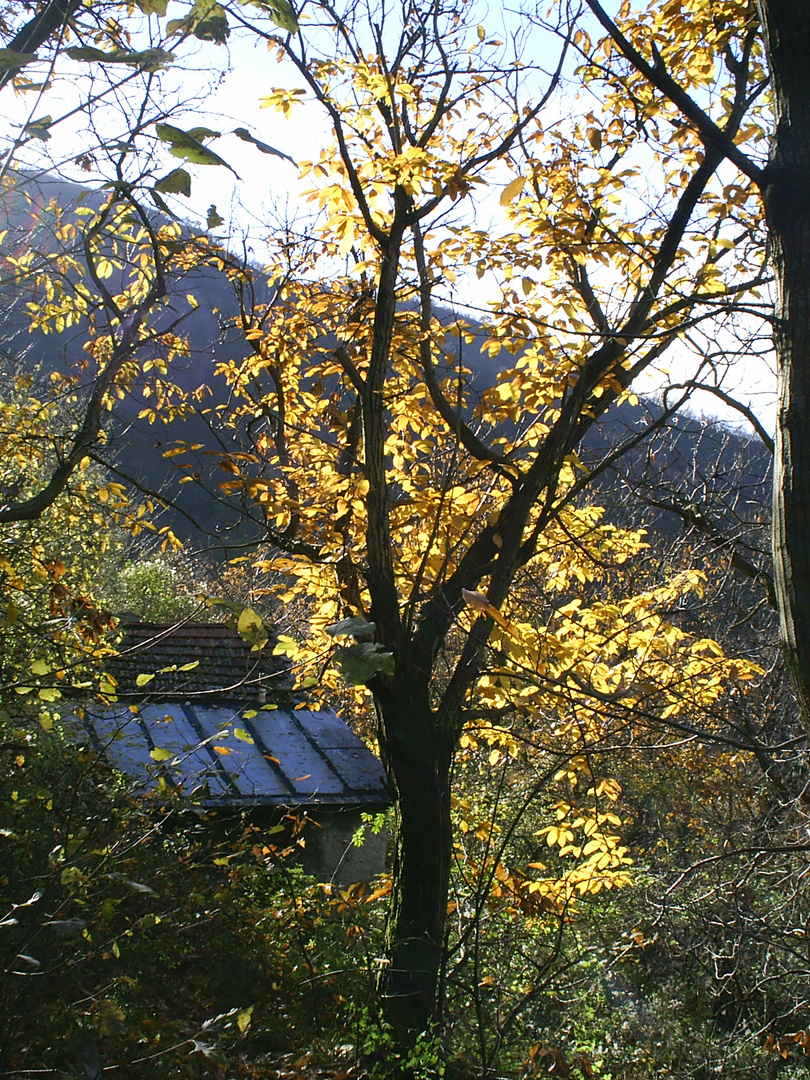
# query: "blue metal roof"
{"points": [[240, 755]]}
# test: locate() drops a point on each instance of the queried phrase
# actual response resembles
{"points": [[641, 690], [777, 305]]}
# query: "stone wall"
{"points": [[328, 853]]}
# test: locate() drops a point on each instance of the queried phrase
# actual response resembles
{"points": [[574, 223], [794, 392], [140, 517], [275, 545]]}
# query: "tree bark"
{"points": [[49, 20], [418, 760], [786, 194]]}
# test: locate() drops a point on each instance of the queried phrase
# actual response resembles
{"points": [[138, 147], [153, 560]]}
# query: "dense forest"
{"points": [[429, 437]]}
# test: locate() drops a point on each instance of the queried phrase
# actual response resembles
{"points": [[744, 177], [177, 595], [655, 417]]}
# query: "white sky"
{"points": [[236, 77]]}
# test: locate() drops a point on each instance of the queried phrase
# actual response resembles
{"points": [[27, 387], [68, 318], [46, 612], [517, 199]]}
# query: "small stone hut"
{"points": [[217, 721]]}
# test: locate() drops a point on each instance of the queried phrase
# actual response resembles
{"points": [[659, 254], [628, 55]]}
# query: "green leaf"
{"points": [[108, 908], [177, 182], [213, 221], [160, 754], [279, 11], [217, 601], [152, 7], [159, 203], [245, 736], [213, 25], [10, 60], [360, 663], [143, 679], [265, 148], [183, 145], [356, 626], [148, 59], [243, 1018], [202, 133], [38, 128], [40, 667], [207, 21], [49, 693], [189, 667]]}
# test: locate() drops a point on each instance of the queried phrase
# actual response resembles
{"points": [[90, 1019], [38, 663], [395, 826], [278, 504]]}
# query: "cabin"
{"points": [[198, 710]]}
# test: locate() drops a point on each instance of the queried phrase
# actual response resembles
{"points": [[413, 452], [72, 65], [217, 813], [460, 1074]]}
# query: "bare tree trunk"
{"points": [[786, 194], [418, 761]]}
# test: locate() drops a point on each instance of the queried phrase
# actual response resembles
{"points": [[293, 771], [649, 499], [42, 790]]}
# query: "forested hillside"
{"points": [[678, 459], [411, 436]]}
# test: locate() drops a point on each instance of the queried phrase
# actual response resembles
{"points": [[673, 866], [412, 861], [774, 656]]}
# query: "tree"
{"points": [[786, 210], [409, 495], [52, 625], [780, 182], [106, 269]]}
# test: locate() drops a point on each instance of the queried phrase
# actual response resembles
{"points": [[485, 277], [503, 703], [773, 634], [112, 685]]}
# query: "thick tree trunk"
{"points": [[786, 195], [418, 762]]}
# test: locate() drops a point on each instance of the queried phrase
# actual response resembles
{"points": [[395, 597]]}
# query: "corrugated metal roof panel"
{"points": [[296, 756], [327, 729]]}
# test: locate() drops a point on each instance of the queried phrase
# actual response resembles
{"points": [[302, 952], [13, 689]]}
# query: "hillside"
{"points": [[684, 471]]}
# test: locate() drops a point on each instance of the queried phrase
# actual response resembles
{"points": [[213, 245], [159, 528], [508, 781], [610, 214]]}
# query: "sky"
{"points": [[233, 79], [227, 84]]}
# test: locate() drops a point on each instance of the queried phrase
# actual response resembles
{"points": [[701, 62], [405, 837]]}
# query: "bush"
{"points": [[145, 933]]}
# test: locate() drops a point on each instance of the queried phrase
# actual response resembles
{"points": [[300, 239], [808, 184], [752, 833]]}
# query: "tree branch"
{"points": [[49, 20], [712, 136]]}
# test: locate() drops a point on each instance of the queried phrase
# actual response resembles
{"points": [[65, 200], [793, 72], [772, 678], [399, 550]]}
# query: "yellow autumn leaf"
{"points": [[512, 190], [243, 1018], [478, 602]]}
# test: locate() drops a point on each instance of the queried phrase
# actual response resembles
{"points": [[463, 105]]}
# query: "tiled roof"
{"points": [[239, 756], [194, 659], [218, 719]]}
